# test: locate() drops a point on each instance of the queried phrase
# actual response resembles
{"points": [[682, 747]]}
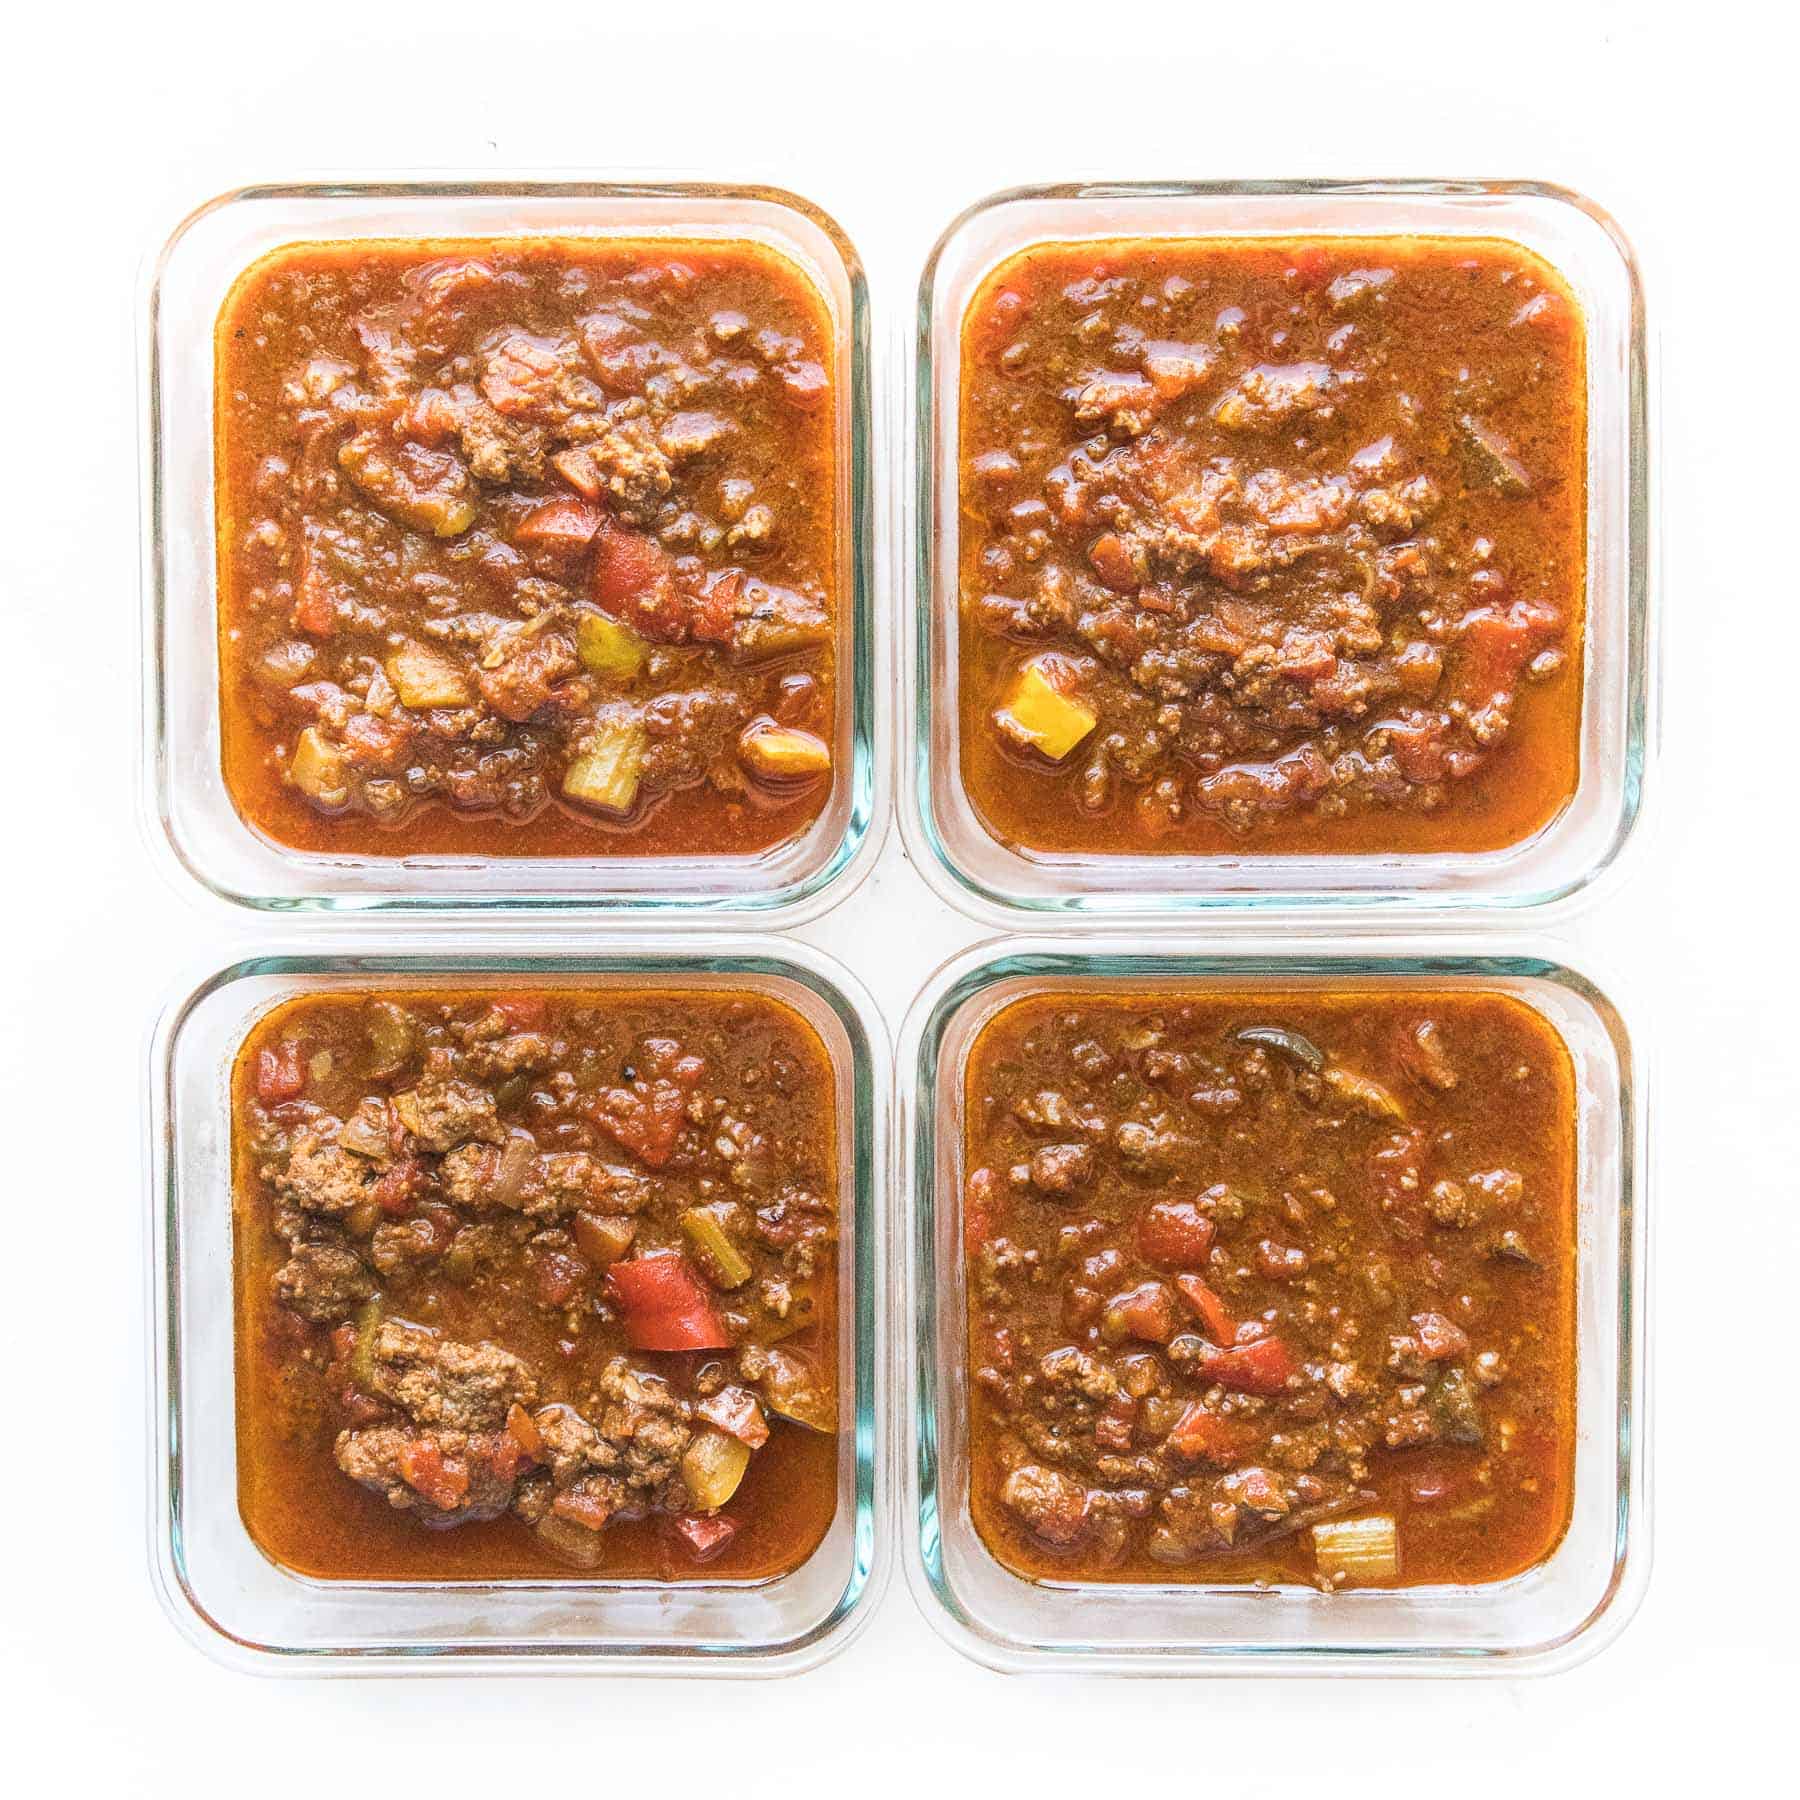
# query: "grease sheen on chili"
{"points": [[1271, 545], [1270, 1285]]}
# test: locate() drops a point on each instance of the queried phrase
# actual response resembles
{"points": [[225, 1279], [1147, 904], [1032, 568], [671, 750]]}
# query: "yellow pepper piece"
{"points": [[608, 647], [423, 679], [782, 752], [712, 1466], [317, 768], [1041, 716]]}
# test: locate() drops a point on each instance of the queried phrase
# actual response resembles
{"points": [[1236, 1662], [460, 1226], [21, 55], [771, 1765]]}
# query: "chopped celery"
{"points": [[719, 1256], [712, 1466], [318, 768], [607, 772], [1358, 1550], [423, 679], [1039, 715], [609, 647], [781, 752]]}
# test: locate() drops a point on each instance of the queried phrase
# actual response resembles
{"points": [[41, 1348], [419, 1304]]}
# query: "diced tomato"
{"points": [[441, 1480], [360, 1410], [736, 1413], [645, 1117], [499, 1453], [558, 1275], [279, 1076], [1112, 562], [1262, 1367], [981, 1205], [565, 525], [1006, 309], [664, 1304], [1175, 1232], [315, 607], [1281, 1262], [1312, 263], [1439, 1338], [521, 1427], [523, 1012], [1397, 1168], [1418, 746], [582, 1506], [1113, 1428], [441, 1224], [377, 743], [715, 613], [703, 1535], [1220, 1326], [1495, 644], [1200, 1433], [1146, 1311], [627, 571], [397, 1188], [431, 418]]}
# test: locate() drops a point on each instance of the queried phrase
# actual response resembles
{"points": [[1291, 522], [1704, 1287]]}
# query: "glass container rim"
{"points": [[962, 978], [1400, 904], [866, 1441], [868, 809]]}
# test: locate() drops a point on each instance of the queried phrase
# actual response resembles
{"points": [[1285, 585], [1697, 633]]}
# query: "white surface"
{"points": [[894, 118]]}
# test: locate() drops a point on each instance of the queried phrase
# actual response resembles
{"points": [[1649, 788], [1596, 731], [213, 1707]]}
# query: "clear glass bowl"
{"points": [[201, 825], [1545, 1619], [996, 882], [250, 1612]]}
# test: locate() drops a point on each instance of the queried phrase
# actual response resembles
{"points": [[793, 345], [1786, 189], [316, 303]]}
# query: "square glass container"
{"points": [[246, 1610], [186, 285], [996, 882], [1545, 1619]]}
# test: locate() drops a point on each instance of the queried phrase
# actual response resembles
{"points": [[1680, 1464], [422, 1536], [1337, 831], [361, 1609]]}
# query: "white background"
{"points": [[894, 117]]}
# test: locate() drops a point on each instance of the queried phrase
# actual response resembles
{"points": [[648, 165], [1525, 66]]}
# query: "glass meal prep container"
{"points": [[998, 882], [1553, 1614], [201, 822], [246, 1609]]}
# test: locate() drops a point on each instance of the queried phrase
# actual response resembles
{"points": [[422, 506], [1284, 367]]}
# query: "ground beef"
{"points": [[321, 1177], [444, 1111], [323, 1281], [438, 1382]]}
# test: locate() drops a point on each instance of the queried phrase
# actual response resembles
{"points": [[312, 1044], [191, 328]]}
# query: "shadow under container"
{"points": [[186, 790], [998, 882], [1545, 1619], [248, 1611]]}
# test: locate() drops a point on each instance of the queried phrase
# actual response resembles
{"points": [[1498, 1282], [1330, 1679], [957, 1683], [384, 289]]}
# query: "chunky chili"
{"points": [[1271, 546], [527, 547], [1270, 1286], [532, 1283]]}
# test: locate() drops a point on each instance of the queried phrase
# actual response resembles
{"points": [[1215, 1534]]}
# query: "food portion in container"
{"points": [[1271, 546], [532, 1284], [1271, 1286], [527, 547]]}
